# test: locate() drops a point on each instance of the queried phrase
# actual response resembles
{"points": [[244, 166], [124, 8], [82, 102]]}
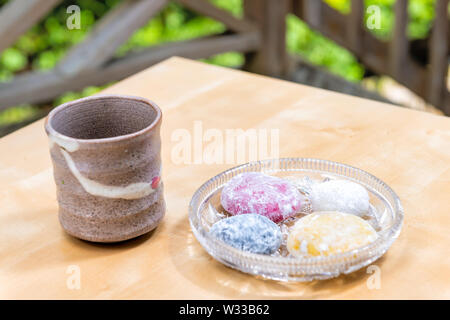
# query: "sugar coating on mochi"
{"points": [[339, 195], [328, 233], [249, 232], [255, 192]]}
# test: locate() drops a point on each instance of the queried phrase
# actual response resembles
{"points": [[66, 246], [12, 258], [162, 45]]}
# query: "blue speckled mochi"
{"points": [[249, 232]]}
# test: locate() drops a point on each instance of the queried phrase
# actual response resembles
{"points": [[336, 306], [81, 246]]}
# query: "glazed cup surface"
{"points": [[106, 155]]}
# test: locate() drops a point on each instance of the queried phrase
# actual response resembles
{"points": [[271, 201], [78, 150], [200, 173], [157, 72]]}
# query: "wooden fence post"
{"points": [[438, 51], [398, 50], [271, 58], [355, 28]]}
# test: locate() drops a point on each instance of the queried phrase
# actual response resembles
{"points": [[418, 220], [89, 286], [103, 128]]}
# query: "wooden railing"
{"points": [[92, 61], [260, 35], [395, 58]]}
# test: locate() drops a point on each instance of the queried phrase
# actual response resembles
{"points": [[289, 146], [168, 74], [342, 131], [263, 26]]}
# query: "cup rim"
{"points": [[51, 131]]}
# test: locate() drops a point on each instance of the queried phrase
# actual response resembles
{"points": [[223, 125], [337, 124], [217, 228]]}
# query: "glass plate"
{"points": [[386, 216]]}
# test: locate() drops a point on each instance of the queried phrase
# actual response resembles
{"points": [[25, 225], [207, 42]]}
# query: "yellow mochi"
{"points": [[329, 232]]}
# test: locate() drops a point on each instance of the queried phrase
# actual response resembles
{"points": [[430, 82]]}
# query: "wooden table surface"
{"points": [[409, 150]]}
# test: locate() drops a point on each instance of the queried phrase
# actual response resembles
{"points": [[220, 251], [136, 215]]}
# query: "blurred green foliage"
{"points": [[47, 42]]}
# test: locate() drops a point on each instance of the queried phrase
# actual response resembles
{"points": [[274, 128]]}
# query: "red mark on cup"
{"points": [[155, 182]]}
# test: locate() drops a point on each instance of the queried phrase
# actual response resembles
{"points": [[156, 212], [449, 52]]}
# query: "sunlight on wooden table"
{"points": [[409, 150]]}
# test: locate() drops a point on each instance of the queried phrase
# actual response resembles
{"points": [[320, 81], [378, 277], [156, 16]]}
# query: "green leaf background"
{"points": [[47, 42]]}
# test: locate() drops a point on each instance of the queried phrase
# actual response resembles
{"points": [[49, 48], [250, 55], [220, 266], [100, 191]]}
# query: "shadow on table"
{"points": [[194, 263], [121, 245], [59, 248], [87, 249]]}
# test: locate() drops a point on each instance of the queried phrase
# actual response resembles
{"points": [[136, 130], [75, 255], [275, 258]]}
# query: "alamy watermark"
{"points": [[374, 17], [229, 146], [74, 20], [73, 281], [374, 281]]}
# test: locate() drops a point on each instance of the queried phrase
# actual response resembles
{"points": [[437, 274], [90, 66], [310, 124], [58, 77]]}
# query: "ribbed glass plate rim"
{"points": [[376, 248]]}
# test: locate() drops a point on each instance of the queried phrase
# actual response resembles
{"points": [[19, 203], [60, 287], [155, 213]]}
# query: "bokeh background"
{"points": [[47, 42]]}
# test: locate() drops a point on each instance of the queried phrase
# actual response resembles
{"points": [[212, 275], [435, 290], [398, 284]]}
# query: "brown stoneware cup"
{"points": [[106, 159]]}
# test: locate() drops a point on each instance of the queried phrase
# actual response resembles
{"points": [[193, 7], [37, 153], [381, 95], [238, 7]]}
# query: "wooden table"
{"points": [[409, 150]]}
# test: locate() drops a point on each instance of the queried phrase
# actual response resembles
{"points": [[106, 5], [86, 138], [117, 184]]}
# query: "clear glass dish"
{"points": [[386, 217]]}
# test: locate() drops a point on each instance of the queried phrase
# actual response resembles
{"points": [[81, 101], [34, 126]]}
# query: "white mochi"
{"points": [[340, 195]]}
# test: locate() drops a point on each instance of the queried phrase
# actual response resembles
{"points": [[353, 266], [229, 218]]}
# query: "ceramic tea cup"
{"points": [[106, 159]]}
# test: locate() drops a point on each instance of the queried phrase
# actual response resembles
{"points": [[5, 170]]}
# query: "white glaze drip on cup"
{"points": [[69, 145], [133, 191]]}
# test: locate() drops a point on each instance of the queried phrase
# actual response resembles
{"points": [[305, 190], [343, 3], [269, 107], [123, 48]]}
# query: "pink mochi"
{"points": [[254, 192]]}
